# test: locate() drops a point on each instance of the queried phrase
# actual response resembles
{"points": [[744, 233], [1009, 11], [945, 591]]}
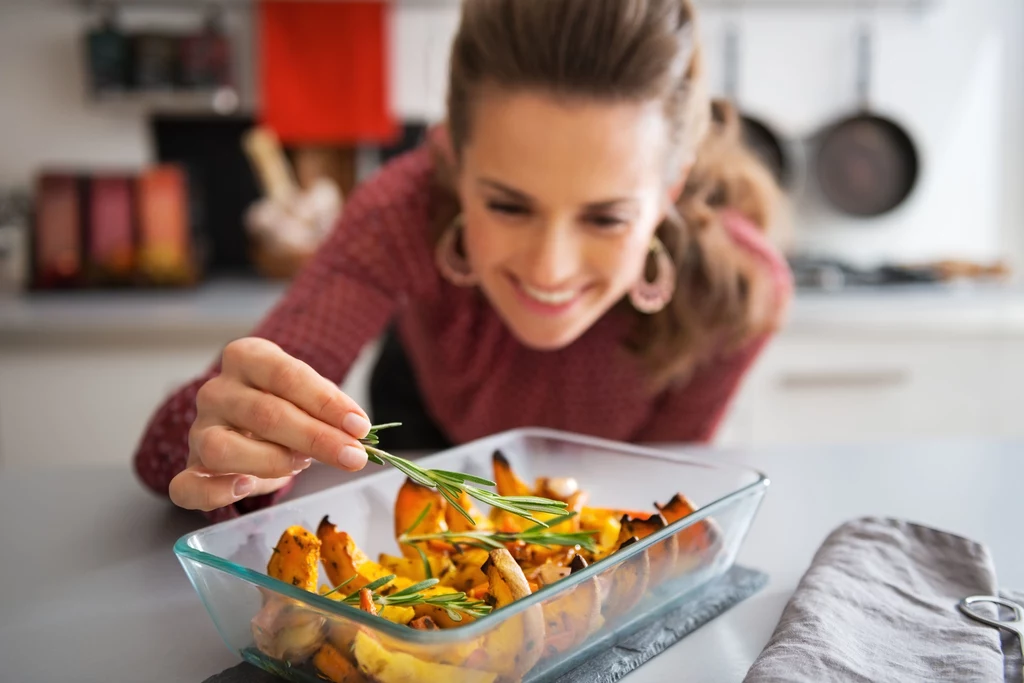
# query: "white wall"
{"points": [[952, 75]]}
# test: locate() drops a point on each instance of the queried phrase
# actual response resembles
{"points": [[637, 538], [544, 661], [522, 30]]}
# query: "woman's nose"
{"points": [[555, 257]]}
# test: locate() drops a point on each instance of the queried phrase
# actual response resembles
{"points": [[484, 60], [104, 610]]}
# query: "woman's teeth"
{"points": [[556, 298]]}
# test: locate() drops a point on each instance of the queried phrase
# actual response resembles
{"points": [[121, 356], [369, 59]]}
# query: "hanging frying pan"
{"points": [[866, 164], [758, 135]]}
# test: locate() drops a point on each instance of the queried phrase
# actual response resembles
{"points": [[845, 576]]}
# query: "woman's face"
{"points": [[560, 200]]}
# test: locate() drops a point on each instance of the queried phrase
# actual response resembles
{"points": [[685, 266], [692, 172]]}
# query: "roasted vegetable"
{"points": [[295, 558], [343, 559], [412, 568], [624, 586], [663, 554], [467, 572], [694, 539], [457, 522], [384, 665], [332, 665], [423, 624], [506, 481], [287, 631], [514, 647], [606, 523], [569, 619], [418, 510]]}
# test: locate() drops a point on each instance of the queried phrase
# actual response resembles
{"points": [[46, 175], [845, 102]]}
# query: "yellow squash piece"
{"points": [[343, 559], [386, 666], [467, 573], [412, 567], [295, 558], [331, 664], [606, 523]]}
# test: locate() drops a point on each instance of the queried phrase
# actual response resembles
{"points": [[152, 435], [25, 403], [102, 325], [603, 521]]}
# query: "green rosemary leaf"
{"points": [[416, 588], [340, 586], [428, 571], [462, 476]]}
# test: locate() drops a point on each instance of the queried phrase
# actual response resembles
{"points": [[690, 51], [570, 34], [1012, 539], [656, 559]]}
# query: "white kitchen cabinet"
{"points": [[818, 388], [73, 403]]}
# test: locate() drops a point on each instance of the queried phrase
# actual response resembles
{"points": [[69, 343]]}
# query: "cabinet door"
{"points": [[820, 389], [62, 406]]}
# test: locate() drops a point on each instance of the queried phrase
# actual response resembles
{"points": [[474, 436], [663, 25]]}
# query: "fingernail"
{"points": [[356, 425], [244, 486], [300, 463], [352, 457]]}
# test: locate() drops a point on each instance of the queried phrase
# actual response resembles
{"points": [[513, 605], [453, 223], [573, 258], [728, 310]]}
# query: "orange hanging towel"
{"points": [[324, 71]]}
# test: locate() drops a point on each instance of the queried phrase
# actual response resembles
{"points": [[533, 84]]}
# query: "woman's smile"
{"points": [[550, 302]]}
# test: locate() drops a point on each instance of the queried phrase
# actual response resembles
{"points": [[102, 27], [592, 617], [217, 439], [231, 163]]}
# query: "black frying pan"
{"points": [[758, 135], [866, 164]]}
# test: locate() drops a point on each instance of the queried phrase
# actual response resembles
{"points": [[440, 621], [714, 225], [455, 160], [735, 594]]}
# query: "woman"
{"points": [[580, 247]]}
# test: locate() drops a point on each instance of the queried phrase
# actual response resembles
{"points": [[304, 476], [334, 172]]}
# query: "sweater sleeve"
{"points": [[693, 412], [376, 257]]}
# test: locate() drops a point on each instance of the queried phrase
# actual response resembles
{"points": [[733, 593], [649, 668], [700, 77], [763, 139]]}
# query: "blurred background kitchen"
{"points": [[166, 165]]}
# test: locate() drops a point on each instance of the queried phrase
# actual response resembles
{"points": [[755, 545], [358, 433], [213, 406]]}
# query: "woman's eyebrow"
{"points": [[603, 204]]}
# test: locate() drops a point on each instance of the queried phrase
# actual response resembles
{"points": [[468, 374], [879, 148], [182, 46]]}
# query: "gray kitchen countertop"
{"points": [[226, 308], [91, 589]]}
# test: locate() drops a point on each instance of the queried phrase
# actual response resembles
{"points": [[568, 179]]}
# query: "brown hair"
{"points": [[637, 50]]}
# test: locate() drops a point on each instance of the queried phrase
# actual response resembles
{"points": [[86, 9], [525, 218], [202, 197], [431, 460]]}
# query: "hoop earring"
{"points": [[652, 296], [453, 267]]}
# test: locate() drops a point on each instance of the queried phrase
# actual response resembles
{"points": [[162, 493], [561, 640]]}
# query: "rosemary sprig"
{"points": [[535, 535], [452, 484], [455, 604]]}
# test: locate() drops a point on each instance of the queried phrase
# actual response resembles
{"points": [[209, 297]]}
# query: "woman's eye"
{"points": [[606, 221], [507, 208]]}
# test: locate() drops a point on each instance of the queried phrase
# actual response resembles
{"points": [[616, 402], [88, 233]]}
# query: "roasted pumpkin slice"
{"points": [[662, 555], [569, 619], [332, 665], [343, 559], [379, 663], [624, 585], [698, 537], [415, 502], [295, 558], [457, 522], [506, 480]]}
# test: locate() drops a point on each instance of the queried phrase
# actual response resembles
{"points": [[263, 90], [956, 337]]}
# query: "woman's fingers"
{"points": [[222, 449], [274, 419], [194, 489], [264, 365]]}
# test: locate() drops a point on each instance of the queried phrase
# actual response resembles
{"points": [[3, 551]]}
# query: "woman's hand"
{"points": [[262, 421]]}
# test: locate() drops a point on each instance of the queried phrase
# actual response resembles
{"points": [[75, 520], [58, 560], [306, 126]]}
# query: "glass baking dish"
{"points": [[227, 564]]}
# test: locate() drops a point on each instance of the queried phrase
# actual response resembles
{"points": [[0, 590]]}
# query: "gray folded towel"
{"points": [[879, 603]]}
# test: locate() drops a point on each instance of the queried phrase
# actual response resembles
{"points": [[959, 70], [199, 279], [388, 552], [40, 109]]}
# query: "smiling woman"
{"points": [[580, 245]]}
